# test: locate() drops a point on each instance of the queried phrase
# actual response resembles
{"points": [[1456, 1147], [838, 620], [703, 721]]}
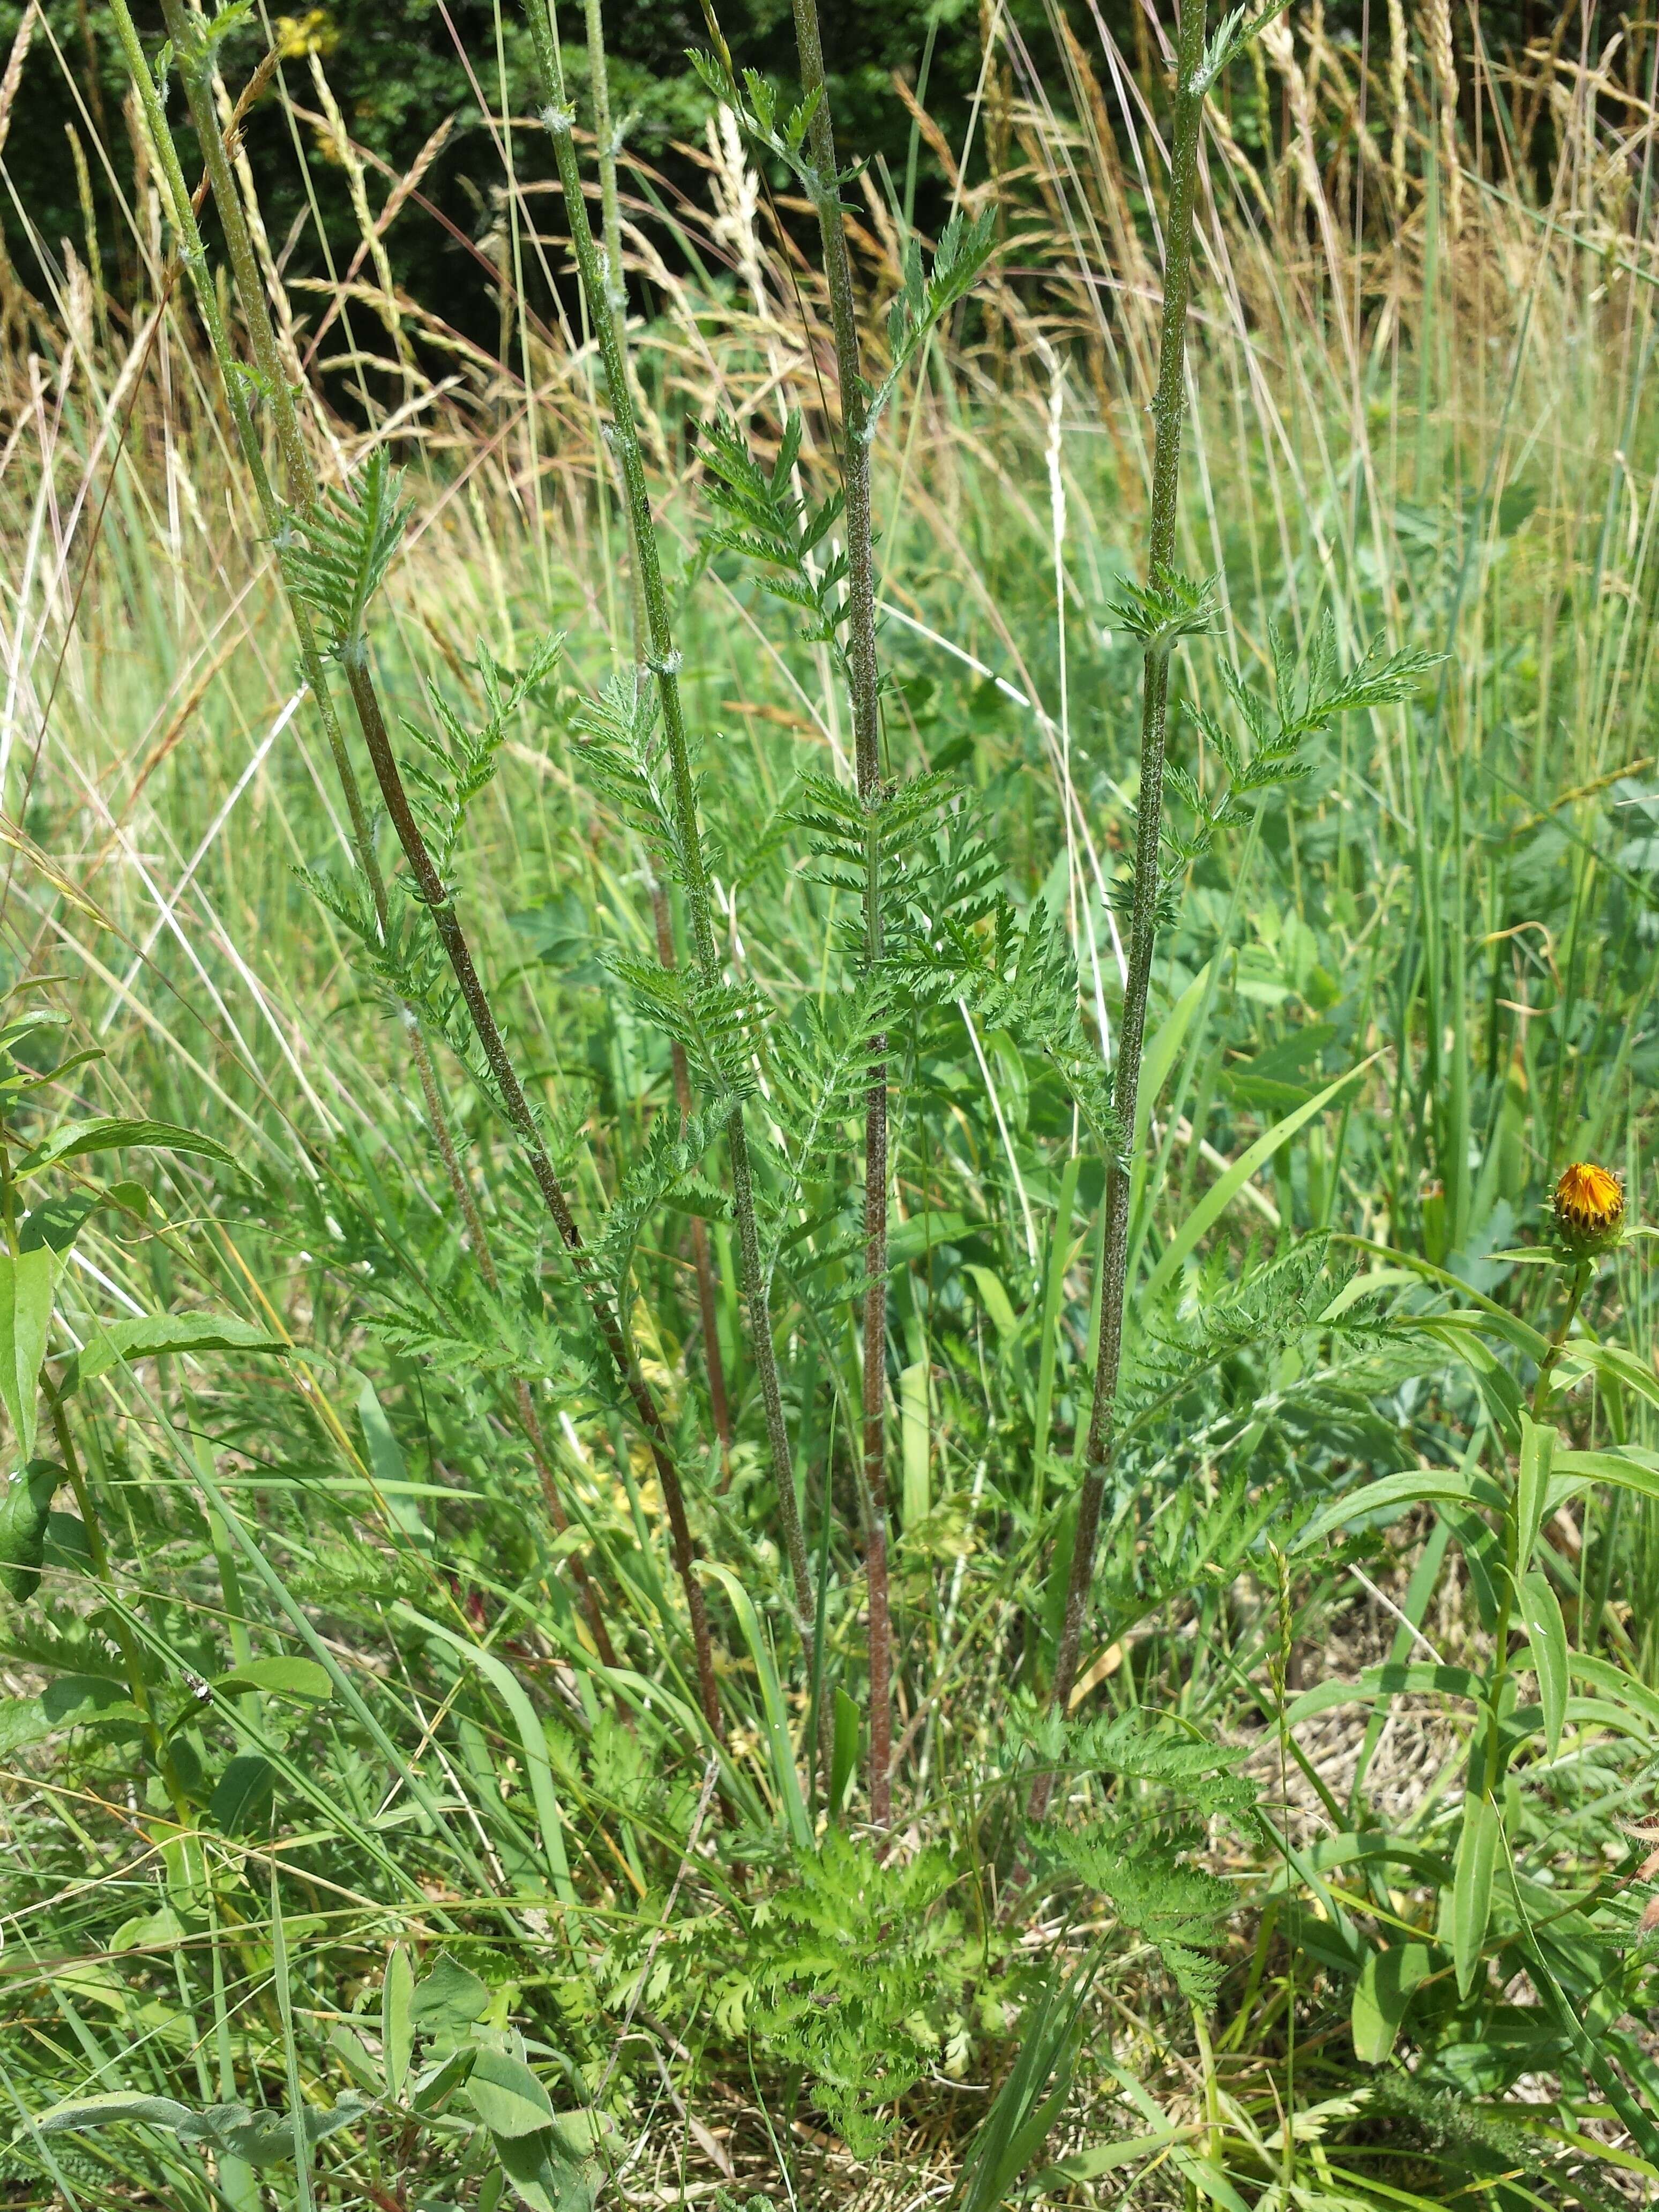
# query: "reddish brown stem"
{"points": [[433, 891]]}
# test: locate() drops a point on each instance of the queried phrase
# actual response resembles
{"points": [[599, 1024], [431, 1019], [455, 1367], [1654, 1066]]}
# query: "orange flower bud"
{"points": [[1589, 1208]]}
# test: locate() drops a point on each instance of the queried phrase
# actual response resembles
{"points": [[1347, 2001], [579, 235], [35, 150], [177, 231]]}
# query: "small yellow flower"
{"points": [[313, 33], [1590, 1207]]}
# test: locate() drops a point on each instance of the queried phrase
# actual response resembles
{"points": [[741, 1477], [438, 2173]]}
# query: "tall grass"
{"points": [[397, 1729]]}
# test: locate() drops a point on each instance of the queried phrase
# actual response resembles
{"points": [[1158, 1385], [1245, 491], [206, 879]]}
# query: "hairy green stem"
{"points": [[1167, 409], [864, 687], [1559, 1335], [614, 295], [664, 662], [1495, 1757]]}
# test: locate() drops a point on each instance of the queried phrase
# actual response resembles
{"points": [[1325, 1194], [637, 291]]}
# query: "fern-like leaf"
{"points": [[922, 302], [337, 556], [464, 759], [721, 1026]]}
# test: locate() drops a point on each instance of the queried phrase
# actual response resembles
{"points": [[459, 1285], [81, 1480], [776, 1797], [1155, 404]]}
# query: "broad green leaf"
{"points": [[25, 1516], [147, 1930], [81, 1696], [266, 2138], [21, 1723], [303, 1679], [1477, 1855], [507, 2096], [110, 1133], [67, 1543], [148, 1336], [56, 1222], [449, 1999], [1540, 1609], [26, 1284], [433, 2087], [1532, 1487], [1381, 1996], [398, 2020], [243, 1794], [113, 2104], [544, 2175], [1226, 1188]]}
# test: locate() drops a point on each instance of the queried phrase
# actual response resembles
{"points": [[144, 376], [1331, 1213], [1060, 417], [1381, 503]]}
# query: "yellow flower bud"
{"points": [[1589, 1208]]}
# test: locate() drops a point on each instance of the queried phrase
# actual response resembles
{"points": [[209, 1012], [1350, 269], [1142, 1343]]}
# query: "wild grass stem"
{"points": [[864, 685], [1168, 406]]}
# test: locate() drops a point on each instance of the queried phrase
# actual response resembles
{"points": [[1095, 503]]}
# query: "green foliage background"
{"points": [[397, 71]]}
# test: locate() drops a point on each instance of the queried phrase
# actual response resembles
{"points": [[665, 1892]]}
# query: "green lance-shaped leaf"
{"points": [[1541, 1611], [1532, 1487], [112, 2105], [110, 1133], [301, 1680], [1381, 1996], [1417, 1485], [1477, 1858], [1226, 1188], [26, 1284], [532, 1735], [148, 1336], [398, 2020], [785, 1778]]}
